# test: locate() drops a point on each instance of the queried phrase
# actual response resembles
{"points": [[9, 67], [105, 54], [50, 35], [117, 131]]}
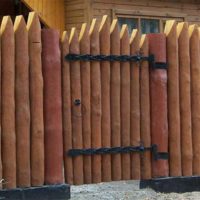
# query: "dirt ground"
{"points": [[124, 190]]}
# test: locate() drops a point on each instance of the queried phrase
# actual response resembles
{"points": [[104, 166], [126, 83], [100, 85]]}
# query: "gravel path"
{"points": [[124, 190]]}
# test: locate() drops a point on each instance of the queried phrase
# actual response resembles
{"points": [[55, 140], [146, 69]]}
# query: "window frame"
{"points": [[161, 16]]}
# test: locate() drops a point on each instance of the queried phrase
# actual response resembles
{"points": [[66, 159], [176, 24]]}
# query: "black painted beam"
{"points": [[172, 184], [53, 192]]}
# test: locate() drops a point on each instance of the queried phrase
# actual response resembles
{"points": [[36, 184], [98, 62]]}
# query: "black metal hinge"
{"points": [[119, 58], [115, 150]]}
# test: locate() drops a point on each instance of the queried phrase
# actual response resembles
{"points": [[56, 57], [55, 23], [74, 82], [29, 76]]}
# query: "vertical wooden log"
{"points": [[51, 66], [125, 102], [8, 103], [158, 97], [22, 103], [104, 35], [145, 132], [86, 96], [195, 95], [185, 98], [173, 99], [115, 100], [76, 109], [36, 100], [95, 101], [67, 123], [135, 105]]}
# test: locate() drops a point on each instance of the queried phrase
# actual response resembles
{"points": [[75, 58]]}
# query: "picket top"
{"points": [[193, 30], [73, 41], [181, 27], [115, 38], [20, 25], [135, 41], [93, 27], [64, 37], [104, 25], [6, 25], [143, 42], [124, 32], [33, 23], [94, 37], [83, 32], [170, 27], [114, 27]]}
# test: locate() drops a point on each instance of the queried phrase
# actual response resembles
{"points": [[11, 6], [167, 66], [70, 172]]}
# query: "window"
{"points": [[145, 21]]}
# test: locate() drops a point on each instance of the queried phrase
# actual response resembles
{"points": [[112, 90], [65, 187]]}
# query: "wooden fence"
{"points": [[50, 105]]}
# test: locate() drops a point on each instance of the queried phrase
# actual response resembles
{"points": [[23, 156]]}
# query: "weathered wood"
{"points": [[22, 103], [115, 100], [51, 67], [173, 99], [86, 103], [95, 101], [76, 109], [185, 99], [36, 100], [67, 123], [135, 105], [104, 36], [195, 95], [8, 103], [158, 99], [125, 102], [145, 132]]}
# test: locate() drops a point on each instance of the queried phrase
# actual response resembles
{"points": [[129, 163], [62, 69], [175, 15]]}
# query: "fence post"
{"points": [[95, 101], [125, 102], [135, 105], [66, 102], [36, 100], [22, 103], [115, 100], [145, 110], [158, 97], [173, 99], [76, 109], [84, 40], [8, 103], [185, 98], [51, 66], [195, 95], [104, 35]]}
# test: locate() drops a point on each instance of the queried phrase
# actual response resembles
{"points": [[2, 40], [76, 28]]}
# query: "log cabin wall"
{"points": [[51, 12], [80, 11]]}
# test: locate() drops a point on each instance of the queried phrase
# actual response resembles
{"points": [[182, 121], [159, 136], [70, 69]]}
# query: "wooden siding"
{"points": [[80, 11], [51, 12]]}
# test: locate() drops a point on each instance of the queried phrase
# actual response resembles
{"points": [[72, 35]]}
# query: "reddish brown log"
{"points": [[185, 99], [125, 102], [36, 100], [76, 109], [8, 103], [195, 95], [51, 66], [104, 35], [115, 100], [67, 123], [135, 105], [95, 102], [22, 103], [173, 99], [86, 96], [145, 133], [158, 96]]}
